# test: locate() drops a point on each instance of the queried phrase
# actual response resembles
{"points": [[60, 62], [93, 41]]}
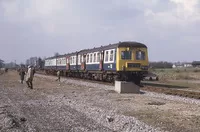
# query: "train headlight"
{"points": [[123, 68]]}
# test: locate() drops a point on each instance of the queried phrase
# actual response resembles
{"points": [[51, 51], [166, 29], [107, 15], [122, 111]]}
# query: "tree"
{"points": [[196, 63], [40, 63], [1, 63], [161, 64], [56, 54]]}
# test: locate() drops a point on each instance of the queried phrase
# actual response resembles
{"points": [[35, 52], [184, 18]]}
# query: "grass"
{"points": [[176, 70], [179, 76], [178, 73]]}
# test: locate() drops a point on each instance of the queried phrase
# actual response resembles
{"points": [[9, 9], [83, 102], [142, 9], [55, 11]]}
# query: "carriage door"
{"points": [[67, 65], [83, 61], [100, 57]]}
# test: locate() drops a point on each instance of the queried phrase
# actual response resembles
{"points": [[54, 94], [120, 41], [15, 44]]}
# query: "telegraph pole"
{"points": [[15, 63]]}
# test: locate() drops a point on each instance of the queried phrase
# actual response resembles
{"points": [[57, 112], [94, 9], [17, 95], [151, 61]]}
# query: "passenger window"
{"points": [[111, 55], [94, 60], [81, 58], [90, 58], [75, 59], [64, 61], [98, 57], [106, 57]]}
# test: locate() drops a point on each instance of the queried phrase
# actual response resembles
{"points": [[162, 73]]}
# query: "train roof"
{"points": [[110, 46], [131, 44], [60, 56]]}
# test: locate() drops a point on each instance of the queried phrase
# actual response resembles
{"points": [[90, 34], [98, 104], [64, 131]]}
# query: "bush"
{"points": [[196, 70], [185, 77], [162, 70]]}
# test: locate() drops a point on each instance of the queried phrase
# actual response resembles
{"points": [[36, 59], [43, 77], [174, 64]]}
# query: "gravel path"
{"points": [[77, 106], [107, 87], [49, 109]]}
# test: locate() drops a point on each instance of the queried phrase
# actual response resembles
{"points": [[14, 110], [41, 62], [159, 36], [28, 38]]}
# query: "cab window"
{"points": [[140, 55], [126, 55]]}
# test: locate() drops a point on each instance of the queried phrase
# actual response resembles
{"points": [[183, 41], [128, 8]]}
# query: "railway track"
{"points": [[171, 91], [165, 90]]}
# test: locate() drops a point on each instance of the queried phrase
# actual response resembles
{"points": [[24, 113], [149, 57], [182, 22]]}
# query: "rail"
{"points": [[166, 88]]}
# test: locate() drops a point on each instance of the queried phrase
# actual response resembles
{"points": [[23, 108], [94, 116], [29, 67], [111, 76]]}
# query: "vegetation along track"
{"points": [[145, 87]]}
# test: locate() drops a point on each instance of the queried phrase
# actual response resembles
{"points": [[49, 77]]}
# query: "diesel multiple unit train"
{"points": [[124, 61]]}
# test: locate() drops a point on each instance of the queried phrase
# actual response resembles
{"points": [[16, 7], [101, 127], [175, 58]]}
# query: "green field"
{"points": [[187, 77], [177, 73]]}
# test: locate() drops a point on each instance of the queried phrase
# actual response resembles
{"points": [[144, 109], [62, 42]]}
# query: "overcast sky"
{"points": [[170, 28]]}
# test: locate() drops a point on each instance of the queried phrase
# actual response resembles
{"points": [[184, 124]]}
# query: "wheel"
{"points": [[137, 81]]}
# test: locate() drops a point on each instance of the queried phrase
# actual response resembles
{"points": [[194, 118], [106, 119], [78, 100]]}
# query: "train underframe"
{"points": [[108, 76]]}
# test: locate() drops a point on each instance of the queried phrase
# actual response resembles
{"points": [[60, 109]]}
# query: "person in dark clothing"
{"points": [[34, 71], [22, 74]]}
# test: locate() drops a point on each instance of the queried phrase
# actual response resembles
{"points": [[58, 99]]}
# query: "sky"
{"points": [[169, 28]]}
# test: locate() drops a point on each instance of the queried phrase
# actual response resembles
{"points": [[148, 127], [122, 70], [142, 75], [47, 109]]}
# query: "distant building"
{"points": [[187, 64], [181, 65], [32, 61], [27, 62], [177, 65]]}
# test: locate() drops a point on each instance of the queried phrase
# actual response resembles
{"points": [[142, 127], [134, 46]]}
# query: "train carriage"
{"points": [[61, 62], [72, 61], [50, 65], [89, 60], [126, 61], [81, 64], [132, 61]]}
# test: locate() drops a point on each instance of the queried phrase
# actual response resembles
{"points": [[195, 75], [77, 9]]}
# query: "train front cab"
{"points": [[132, 63]]}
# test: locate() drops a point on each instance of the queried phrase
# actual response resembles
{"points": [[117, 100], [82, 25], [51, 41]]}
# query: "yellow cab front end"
{"points": [[133, 59]]}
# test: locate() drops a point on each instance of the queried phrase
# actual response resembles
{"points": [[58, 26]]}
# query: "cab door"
{"points": [[101, 61], [67, 63], [83, 63]]}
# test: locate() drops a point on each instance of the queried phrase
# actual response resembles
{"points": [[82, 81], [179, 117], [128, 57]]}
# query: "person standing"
{"points": [[33, 71], [22, 74], [29, 77], [58, 75]]}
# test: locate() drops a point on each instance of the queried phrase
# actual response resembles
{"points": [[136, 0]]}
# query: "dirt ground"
{"points": [[53, 106]]}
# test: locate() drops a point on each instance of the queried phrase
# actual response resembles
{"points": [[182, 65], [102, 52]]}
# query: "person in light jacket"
{"points": [[58, 75], [29, 77]]}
